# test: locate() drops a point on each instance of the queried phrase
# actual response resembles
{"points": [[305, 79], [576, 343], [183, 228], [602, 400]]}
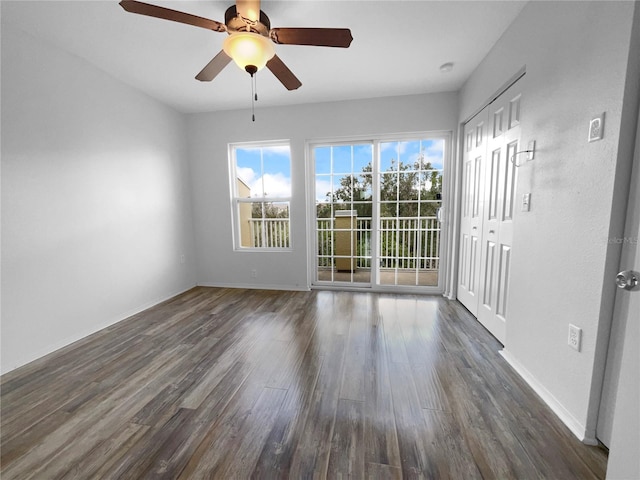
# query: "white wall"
{"points": [[95, 202], [575, 55], [209, 136]]}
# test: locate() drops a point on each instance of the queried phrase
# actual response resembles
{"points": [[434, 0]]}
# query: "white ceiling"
{"points": [[398, 47]]}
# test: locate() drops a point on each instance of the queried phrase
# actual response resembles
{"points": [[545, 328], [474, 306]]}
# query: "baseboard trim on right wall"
{"points": [[577, 428]]}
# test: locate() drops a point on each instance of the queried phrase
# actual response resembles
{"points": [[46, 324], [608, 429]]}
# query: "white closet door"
{"points": [[500, 201], [488, 201], [474, 158]]}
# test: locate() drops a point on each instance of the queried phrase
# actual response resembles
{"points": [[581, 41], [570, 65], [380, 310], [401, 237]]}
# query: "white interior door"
{"points": [[625, 428], [618, 419], [488, 202], [497, 225], [472, 205]]}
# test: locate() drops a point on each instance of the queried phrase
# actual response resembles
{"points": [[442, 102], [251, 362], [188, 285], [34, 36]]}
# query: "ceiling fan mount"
{"points": [[237, 23], [250, 33]]}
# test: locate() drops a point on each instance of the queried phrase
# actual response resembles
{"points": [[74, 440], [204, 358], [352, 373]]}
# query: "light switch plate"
{"points": [[526, 202], [596, 128], [531, 154]]}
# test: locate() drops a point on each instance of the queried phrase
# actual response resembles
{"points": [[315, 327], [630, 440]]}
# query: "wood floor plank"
{"points": [[381, 439], [21, 443], [232, 383], [416, 452], [428, 382], [249, 442], [173, 459], [152, 446], [347, 445], [294, 352], [495, 454], [105, 457], [312, 453], [210, 454], [377, 471], [288, 429], [451, 455], [91, 425]]}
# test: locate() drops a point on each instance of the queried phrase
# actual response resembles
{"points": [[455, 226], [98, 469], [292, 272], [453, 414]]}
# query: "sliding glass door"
{"points": [[343, 207], [376, 212], [409, 196]]}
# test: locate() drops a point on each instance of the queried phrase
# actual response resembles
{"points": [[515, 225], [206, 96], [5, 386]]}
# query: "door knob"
{"points": [[628, 279]]}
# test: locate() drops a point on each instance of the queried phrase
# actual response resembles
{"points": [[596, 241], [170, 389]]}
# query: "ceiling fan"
{"points": [[251, 39]]}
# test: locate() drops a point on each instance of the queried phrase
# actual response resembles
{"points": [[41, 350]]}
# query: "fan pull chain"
{"points": [[253, 103], [254, 96], [252, 70]]}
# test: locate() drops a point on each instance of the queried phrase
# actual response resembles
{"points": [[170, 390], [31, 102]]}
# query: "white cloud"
{"points": [[275, 185], [436, 147], [397, 147], [246, 174], [276, 150], [322, 188]]}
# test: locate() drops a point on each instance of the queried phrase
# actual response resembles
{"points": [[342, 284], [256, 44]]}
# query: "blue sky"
{"points": [[266, 170], [407, 152]]}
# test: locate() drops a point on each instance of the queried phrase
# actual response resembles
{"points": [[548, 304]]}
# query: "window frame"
{"points": [[236, 200]]}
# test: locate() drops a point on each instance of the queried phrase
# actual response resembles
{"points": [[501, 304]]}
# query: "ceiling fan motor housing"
{"points": [[236, 23]]}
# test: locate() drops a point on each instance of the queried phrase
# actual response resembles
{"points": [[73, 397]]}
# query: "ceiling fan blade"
{"points": [[282, 73], [214, 67], [249, 9], [142, 8], [321, 37]]}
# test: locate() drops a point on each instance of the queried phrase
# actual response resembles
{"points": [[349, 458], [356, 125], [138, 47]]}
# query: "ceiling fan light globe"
{"points": [[246, 48]]}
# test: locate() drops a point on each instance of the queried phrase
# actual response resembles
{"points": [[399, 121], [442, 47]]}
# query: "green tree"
{"points": [[269, 210], [406, 190]]}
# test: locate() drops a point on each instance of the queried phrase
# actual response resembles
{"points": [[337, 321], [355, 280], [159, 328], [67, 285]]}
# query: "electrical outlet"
{"points": [[596, 128], [575, 337], [254, 273]]}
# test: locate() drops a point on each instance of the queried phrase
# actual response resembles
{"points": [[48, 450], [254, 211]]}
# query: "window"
{"points": [[261, 195]]}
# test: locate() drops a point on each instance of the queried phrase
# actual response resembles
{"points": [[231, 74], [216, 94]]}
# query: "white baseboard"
{"points": [[256, 286], [576, 427]]}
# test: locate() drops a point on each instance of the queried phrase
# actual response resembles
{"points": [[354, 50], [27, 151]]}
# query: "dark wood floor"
{"points": [[233, 384]]}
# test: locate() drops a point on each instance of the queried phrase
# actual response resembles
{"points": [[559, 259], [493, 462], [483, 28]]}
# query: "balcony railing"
{"points": [[270, 232], [405, 242]]}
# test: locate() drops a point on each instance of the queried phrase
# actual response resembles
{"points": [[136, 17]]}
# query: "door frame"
{"points": [[448, 198]]}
